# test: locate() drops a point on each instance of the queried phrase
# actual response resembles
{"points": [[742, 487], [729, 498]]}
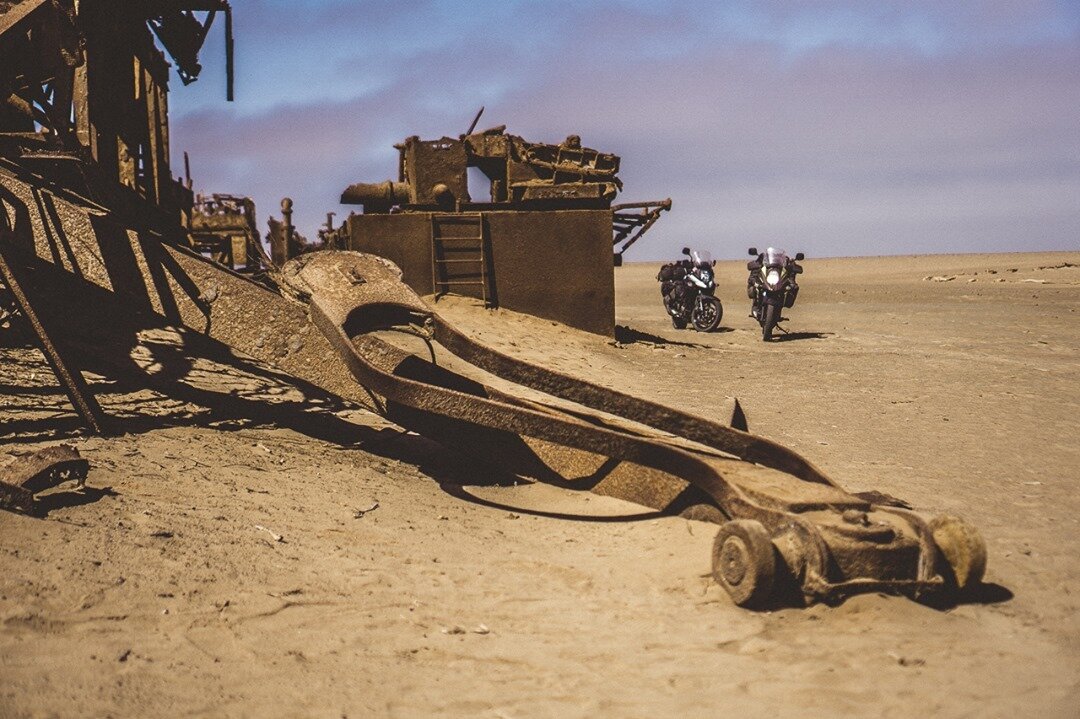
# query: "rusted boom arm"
{"points": [[353, 295], [740, 444], [350, 299], [628, 227]]}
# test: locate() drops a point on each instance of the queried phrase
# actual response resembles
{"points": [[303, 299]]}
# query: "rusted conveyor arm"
{"points": [[740, 444], [378, 366], [352, 295]]}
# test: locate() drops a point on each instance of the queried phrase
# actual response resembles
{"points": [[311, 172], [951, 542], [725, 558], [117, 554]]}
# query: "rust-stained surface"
{"points": [[93, 244], [224, 228], [785, 527], [23, 476], [539, 262], [84, 96], [538, 241], [93, 252]]}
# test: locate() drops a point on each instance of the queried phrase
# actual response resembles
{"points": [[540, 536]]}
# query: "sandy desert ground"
{"points": [[408, 584]]}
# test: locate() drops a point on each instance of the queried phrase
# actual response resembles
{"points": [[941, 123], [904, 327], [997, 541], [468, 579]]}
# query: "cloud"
{"points": [[843, 128]]}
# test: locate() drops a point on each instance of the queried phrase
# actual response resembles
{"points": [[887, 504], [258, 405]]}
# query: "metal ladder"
{"points": [[458, 254]]}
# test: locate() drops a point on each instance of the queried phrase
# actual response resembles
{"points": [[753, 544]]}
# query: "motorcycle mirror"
{"points": [[752, 251], [714, 263], [799, 257], [686, 250]]}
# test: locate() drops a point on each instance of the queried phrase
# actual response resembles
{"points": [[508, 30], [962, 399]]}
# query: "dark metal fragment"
{"points": [[27, 474]]}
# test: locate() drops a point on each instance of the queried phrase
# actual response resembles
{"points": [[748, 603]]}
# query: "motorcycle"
{"points": [[688, 288], [771, 286]]}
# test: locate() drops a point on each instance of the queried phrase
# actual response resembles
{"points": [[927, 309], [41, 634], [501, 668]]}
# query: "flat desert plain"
{"points": [[317, 561]]}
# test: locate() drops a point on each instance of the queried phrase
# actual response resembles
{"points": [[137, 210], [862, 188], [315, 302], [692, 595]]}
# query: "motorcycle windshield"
{"points": [[701, 257], [775, 257]]}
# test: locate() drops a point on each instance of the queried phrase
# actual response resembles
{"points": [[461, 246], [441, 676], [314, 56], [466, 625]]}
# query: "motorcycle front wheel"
{"points": [[707, 313], [772, 315], [676, 311]]}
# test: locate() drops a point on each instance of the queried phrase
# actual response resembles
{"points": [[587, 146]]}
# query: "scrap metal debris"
{"points": [[24, 476], [786, 527]]}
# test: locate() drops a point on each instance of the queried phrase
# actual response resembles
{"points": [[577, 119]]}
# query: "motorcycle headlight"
{"points": [[772, 279]]}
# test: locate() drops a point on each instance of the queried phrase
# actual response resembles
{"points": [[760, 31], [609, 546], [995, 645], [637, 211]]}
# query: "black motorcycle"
{"points": [[771, 286], [688, 288]]}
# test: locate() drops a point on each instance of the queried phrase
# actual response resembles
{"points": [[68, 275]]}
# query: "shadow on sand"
{"points": [[464, 493], [628, 335], [795, 336], [62, 498]]}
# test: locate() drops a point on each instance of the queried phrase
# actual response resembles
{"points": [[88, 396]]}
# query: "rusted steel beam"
{"points": [[91, 244], [70, 378], [631, 226], [13, 20], [229, 61], [743, 445], [28, 474]]}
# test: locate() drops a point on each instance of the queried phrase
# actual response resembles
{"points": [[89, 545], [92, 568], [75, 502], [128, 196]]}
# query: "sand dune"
{"points": [[408, 583]]}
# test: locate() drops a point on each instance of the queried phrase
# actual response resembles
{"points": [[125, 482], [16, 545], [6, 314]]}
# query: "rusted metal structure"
{"points": [[331, 237], [84, 95], [91, 268], [785, 526], [540, 242], [284, 239], [84, 114], [223, 228]]}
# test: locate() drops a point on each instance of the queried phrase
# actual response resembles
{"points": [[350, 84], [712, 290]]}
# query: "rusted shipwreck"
{"points": [[541, 240]]}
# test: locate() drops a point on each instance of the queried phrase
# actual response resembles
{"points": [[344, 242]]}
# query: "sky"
{"points": [[836, 128]]}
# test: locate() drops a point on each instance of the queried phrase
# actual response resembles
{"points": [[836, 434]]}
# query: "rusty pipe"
{"points": [[376, 196]]}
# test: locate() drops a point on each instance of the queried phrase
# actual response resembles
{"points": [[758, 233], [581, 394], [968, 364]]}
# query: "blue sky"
{"points": [[838, 128]]}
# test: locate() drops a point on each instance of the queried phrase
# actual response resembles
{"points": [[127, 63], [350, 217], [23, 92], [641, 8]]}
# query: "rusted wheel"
{"points": [[963, 551], [744, 561]]}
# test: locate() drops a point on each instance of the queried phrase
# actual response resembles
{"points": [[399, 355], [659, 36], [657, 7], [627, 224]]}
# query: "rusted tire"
{"points": [[744, 561], [962, 551]]}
